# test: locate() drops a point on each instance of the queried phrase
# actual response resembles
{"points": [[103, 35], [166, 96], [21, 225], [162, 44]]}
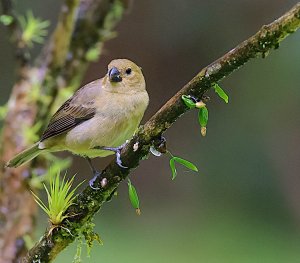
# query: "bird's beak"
{"points": [[114, 75]]}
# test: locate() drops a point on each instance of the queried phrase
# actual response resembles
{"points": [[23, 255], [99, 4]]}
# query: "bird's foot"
{"points": [[117, 151], [92, 181], [96, 174]]}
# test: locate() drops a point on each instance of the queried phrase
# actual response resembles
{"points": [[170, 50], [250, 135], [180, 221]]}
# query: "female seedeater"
{"points": [[101, 115]]}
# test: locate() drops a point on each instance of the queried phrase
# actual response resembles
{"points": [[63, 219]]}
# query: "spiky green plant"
{"points": [[34, 29], [60, 197]]}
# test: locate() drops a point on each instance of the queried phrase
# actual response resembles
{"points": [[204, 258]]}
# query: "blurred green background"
{"points": [[243, 206]]}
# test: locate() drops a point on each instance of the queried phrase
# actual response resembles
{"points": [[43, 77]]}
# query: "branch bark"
{"points": [[84, 24], [90, 201]]}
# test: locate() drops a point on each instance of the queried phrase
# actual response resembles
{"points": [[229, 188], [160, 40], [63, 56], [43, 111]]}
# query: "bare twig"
{"points": [[90, 201], [52, 71]]}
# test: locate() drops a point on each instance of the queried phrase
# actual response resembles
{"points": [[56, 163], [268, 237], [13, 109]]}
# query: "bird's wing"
{"points": [[79, 108]]}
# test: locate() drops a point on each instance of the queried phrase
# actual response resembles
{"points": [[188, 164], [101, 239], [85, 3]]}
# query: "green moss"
{"points": [[77, 257], [90, 236]]}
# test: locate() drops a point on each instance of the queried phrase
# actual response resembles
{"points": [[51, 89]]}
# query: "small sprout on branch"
{"points": [[188, 101], [133, 196], [6, 20], [202, 114], [183, 162], [192, 102], [220, 92], [203, 111], [60, 198], [34, 29]]}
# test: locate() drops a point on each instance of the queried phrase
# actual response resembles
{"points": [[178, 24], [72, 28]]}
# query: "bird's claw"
{"points": [[119, 161], [117, 151], [92, 181]]}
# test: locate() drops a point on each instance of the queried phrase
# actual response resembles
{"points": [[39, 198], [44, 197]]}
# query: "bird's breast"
{"points": [[114, 123]]}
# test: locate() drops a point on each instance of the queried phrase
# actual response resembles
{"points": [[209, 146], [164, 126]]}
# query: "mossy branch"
{"points": [[90, 201]]}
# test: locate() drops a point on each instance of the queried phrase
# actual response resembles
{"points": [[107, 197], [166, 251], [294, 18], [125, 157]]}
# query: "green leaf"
{"points": [[6, 20], [133, 196], [173, 168], [185, 163], [188, 102], [220, 92], [203, 116]]}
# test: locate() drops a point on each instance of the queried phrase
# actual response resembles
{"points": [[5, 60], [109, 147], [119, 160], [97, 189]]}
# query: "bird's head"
{"points": [[124, 76]]}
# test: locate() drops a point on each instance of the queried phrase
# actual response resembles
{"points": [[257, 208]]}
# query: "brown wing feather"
{"points": [[74, 111]]}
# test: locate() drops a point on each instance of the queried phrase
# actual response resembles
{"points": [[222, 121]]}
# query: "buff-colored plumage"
{"points": [[105, 112]]}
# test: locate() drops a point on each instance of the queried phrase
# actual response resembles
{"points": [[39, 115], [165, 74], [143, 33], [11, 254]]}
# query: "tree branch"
{"points": [[90, 201]]}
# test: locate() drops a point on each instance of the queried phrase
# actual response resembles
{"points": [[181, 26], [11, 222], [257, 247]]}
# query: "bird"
{"points": [[98, 119]]}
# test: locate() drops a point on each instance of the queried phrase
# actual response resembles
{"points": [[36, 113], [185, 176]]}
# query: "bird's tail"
{"points": [[24, 156]]}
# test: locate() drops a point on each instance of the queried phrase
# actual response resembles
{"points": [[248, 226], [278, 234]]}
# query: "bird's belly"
{"points": [[99, 131]]}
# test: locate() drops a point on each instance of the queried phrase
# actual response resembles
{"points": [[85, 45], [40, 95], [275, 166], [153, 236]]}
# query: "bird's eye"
{"points": [[128, 71]]}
